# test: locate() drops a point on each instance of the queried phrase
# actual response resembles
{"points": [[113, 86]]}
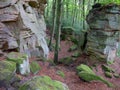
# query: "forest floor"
{"points": [[71, 78]]}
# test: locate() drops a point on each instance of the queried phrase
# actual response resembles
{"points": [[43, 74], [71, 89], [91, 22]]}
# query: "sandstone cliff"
{"points": [[22, 27]]}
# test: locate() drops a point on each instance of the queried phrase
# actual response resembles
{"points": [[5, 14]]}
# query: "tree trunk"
{"points": [[58, 29], [54, 24]]}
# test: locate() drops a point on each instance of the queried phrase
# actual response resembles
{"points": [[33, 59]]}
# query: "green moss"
{"points": [[16, 57], [107, 68], [90, 77], [42, 83], [60, 73], [7, 70], [66, 60], [7, 65], [85, 68], [108, 74], [34, 67], [87, 74]]}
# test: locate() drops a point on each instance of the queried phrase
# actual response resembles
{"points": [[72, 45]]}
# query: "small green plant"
{"points": [[60, 73]]}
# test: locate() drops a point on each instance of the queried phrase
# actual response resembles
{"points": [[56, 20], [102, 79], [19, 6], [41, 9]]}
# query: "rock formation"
{"points": [[22, 27], [104, 33]]}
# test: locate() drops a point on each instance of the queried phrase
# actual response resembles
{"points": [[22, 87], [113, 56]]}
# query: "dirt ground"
{"points": [[71, 78]]}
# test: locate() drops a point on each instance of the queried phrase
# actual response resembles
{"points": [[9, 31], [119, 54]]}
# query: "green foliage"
{"points": [[109, 1]]}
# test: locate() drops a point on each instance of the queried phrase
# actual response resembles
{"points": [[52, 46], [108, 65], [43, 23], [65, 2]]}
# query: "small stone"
{"points": [[116, 75], [107, 68], [108, 74]]}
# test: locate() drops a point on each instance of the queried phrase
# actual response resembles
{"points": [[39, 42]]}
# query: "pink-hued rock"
{"points": [[22, 27]]}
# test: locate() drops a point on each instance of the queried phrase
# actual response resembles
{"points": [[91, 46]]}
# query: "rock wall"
{"points": [[104, 33], [22, 27]]}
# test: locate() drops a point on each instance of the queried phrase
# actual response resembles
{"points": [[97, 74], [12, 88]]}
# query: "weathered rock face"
{"points": [[104, 34], [22, 27]]}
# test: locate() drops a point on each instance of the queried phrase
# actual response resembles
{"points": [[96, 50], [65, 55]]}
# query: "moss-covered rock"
{"points": [[108, 74], [66, 60], [85, 68], [116, 75], [43, 83], [91, 77], [21, 60], [16, 57], [87, 74], [7, 71], [107, 68], [34, 67]]}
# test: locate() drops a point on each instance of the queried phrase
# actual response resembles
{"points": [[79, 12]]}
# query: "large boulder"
{"points": [[21, 60], [43, 83], [104, 33], [7, 73], [87, 74], [22, 27]]}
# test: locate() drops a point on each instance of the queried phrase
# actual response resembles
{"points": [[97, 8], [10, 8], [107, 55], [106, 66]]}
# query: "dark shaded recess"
{"points": [[97, 5], [85, 41], [3, 84]]}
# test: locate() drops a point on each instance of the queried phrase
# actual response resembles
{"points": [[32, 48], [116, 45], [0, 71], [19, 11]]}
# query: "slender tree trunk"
{"points": [[83, 14], [53, 24], [58, 29], [67, 10], [47, 9], [74, 11]]}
